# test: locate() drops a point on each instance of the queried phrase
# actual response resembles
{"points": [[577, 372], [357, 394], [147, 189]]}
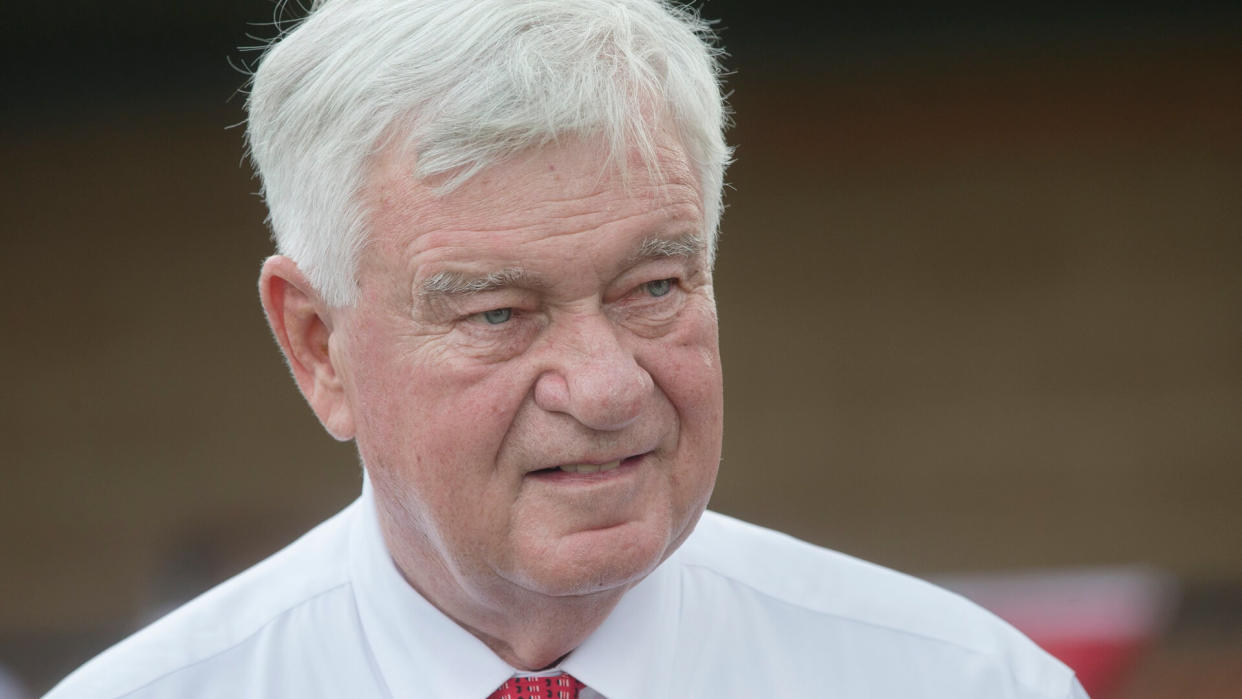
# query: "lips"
{"points": [[591, 467]]}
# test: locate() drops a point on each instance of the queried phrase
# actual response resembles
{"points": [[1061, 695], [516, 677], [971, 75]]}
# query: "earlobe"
{"points": [[302, 325]]}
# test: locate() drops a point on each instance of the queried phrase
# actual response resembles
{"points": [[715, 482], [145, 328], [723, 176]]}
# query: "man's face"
{"points": [[533, 370]]}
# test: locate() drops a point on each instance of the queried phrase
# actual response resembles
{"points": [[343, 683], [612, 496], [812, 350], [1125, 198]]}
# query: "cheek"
{"points": [[691, 375], [448, 419], [686, 366], [428, 436]]}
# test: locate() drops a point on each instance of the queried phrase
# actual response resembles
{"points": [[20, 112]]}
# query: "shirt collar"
{"points": [[419, 651], [422, 652], [634, 649]]}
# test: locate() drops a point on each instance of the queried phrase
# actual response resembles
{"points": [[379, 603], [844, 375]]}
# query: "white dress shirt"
{"points": [[738, 611]]}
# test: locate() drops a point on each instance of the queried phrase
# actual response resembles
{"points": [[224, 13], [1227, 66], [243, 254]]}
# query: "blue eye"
{"points": [[496, 316], [659, 287]]}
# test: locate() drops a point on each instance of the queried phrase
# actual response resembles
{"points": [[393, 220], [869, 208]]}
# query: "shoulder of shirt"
{"points": [[820, 581], [224, 617]]}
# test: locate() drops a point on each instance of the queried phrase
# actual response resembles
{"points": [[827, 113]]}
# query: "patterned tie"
{"points": [[562, 686]]}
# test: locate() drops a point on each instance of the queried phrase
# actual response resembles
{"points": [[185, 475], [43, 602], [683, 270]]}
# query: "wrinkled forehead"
{"points": [[505, 194]]}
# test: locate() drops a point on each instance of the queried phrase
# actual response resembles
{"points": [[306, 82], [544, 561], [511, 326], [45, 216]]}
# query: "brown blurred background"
{"points": [[981, 308]]}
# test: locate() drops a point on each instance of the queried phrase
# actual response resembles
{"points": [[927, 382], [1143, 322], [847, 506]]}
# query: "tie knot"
{"points": [[562, 686]]}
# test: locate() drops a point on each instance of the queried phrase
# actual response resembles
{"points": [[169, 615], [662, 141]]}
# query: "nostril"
{"points": [[606, 389], [552, 392]]}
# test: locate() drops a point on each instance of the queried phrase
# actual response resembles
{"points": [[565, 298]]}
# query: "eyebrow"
{"points": [[452, 283], [688, 245], [449, 283]]}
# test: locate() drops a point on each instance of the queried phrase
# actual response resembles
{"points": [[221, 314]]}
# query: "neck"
{"points": [[542, 635], [529, 630]]}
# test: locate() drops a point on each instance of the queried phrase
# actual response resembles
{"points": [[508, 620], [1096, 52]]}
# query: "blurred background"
{"points": [[981, 316]]}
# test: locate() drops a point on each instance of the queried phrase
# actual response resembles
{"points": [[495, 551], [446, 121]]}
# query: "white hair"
{"points": [[467, 84]]}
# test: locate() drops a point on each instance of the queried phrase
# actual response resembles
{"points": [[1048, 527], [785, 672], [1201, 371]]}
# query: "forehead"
{"points": [[566, 189]]}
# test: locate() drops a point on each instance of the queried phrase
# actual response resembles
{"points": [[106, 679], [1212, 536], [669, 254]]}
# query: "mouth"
{"points": [[589, 469]]}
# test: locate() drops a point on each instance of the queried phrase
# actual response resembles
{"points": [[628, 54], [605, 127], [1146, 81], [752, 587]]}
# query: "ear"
{"points": [[302, 324]]}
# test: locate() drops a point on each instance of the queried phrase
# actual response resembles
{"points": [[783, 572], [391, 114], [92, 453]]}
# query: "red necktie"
{"points": [[562, 686]]}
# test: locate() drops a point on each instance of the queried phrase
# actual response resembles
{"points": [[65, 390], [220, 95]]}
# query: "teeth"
{"points": [[590, 468]]}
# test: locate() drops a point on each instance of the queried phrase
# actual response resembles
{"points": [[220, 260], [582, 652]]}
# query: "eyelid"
{"points": [[480, 316], [673, 283], [507, 311], [678, 269], [491, 300]]}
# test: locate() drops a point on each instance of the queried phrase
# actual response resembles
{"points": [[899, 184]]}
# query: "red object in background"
{"points": [[1101, 664], [1097, 621]]}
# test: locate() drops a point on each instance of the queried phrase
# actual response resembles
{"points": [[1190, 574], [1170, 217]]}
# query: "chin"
{"points": [[613, 559]]}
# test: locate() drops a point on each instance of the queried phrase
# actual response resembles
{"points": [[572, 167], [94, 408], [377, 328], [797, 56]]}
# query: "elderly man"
{"points": [[496, 224]]}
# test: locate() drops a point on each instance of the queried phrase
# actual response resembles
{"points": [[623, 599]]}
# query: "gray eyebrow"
{"points": [[450, 283], [688, 245]]}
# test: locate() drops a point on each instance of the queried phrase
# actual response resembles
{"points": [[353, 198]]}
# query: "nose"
{"points": [[592, 376]]}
